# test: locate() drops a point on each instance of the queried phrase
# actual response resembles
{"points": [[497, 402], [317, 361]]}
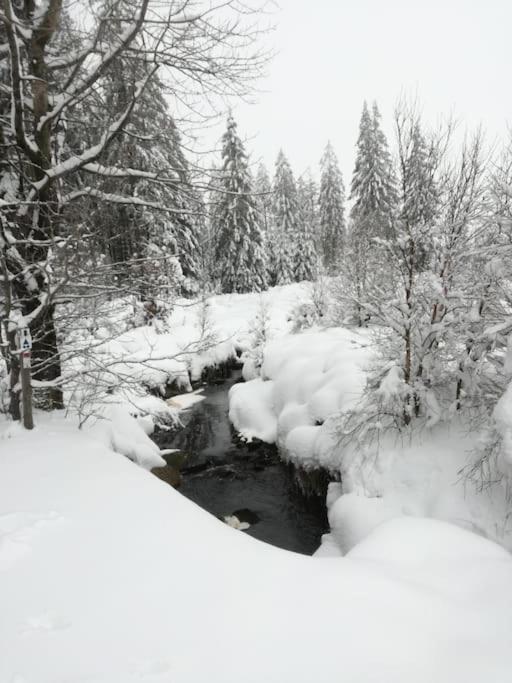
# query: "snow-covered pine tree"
{"points": [[240, 254], [265, 203], [212, 229], [373, 193], [151, 142], [309, 204], [373, 187], [185, 221], [332, 215], [285, 216], [263, 191], [306, 257], [433, 346], [419, 194]]}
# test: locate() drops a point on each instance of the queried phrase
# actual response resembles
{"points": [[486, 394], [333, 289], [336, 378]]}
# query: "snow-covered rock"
{"points": [[305, 379]]}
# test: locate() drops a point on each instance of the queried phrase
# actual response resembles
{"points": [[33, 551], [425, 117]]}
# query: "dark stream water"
{"points": [[225, 477]]}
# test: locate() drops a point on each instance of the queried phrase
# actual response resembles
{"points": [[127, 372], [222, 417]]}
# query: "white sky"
{"points": [[455, 56]]}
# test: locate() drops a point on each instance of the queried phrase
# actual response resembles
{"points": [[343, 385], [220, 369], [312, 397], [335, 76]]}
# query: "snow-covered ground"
{"points": [[306, 381], [112, 370], [108, 575]]}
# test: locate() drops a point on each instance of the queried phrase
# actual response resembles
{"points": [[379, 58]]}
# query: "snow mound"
{"points": [[305, 379], [352, 518], [251, 409]]}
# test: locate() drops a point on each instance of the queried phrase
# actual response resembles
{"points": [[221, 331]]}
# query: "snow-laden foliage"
{"points": [[284, 235], [240, 248], [332, 213], [373, 194], [373, 187], [306, 258], [265, 206]]}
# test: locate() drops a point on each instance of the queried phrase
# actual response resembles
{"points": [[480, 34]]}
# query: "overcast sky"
{"points": [[454, 55]]}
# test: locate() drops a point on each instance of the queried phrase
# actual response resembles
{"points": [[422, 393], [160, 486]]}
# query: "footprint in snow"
{"points": [[16, 532]]}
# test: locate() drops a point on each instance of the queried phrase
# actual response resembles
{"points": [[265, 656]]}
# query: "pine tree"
{"points": [[263, 190], [285, 216], [264, 202], [152, 143], [419, 192], [372, 217], [306, 258], [373, 188], [332, 218], [240, 255]]}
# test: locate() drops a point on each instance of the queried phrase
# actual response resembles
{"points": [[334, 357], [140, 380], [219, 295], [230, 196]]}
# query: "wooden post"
{"points": [[26, 390]]}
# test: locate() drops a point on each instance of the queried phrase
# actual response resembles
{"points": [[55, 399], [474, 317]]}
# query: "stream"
{"points": [[227, 477]]}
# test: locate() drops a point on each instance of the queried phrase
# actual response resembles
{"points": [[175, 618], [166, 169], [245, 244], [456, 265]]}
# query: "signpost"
{"points": [[25, 347]]}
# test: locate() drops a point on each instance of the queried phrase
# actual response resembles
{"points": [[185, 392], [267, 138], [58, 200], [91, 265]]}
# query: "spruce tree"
{"points": [[373, 213], [306, 257], [151, 143], [263, 190], [239, 254], [373, 188], [285, 216], [419, 191], [264, 202], [332, 217]]}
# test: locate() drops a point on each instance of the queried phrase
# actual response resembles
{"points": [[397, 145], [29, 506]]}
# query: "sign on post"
{"points": [[25, 345], [25, 339]]}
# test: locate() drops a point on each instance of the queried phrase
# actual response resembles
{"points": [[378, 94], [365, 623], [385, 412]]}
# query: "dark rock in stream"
{"points": [[171, 475]]}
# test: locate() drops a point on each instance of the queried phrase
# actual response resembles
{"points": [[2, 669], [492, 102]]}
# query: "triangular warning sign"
{"points": [[26, 344]]}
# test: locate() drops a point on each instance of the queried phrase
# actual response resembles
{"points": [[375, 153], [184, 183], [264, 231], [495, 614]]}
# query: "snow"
{"points": [[305, 379], [308, 380], [128, 436], [108, 384], [251, 405], [353, 517], [107, 575]]}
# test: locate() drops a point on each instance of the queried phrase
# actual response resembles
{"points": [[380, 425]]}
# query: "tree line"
{"points": [[99, 200], [266, 233]]}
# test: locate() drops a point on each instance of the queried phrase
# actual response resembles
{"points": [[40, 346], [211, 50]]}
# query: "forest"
{"points": [[339, 346]]}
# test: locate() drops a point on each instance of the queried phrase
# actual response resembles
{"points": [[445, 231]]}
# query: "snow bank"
{"points": [[110, 370], [352, 518], [305, 380], [226, 322], [126, 435], [108, 575]]}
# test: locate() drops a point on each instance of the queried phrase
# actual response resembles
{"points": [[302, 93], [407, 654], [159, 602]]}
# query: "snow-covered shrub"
{"points": [[316, 309], [260, 335]]}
